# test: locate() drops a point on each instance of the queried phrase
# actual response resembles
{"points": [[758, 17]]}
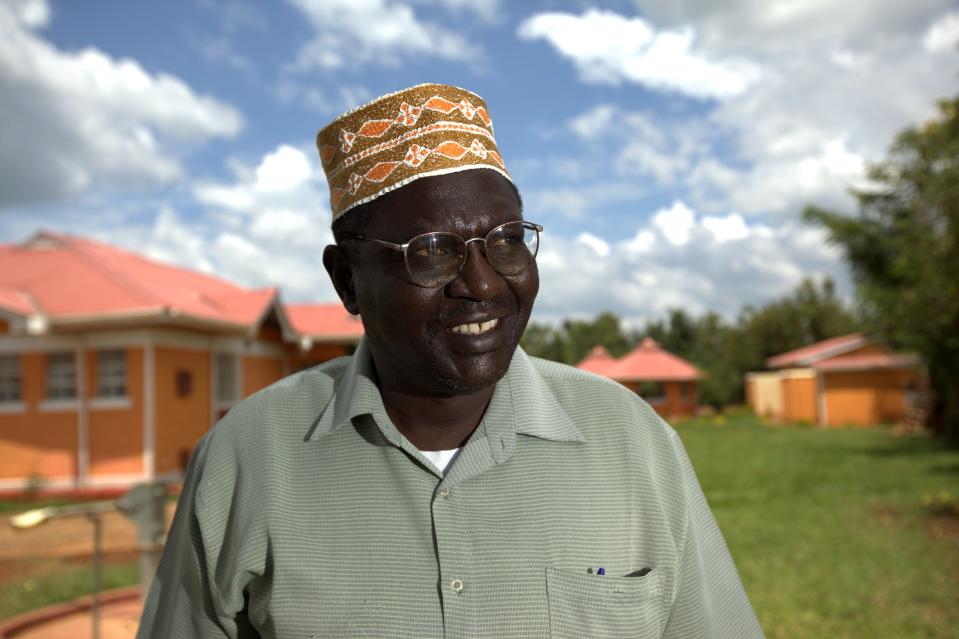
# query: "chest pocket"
{"points": [[582, 605]]}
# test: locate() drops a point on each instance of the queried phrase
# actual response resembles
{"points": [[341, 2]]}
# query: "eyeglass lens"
{"points": [[434, 259]]}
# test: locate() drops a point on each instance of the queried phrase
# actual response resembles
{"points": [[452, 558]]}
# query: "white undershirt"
{"points": [[441, 459]]}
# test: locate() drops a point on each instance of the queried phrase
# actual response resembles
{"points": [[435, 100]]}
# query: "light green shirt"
{"points": [[306, 514]]}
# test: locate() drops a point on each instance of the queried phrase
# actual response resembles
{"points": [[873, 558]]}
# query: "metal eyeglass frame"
{"points": [[402, 247]]}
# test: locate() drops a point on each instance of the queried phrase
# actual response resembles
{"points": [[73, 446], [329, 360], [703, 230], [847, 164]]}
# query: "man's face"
{"points": [[410, 328]]}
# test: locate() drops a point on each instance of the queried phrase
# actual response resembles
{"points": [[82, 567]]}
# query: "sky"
{"points": [[668, 147]]}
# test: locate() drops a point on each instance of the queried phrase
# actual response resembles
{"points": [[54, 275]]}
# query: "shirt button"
{"points": [[445, 493], [457, 585]]}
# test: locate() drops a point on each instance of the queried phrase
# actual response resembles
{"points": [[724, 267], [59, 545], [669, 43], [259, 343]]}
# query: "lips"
{"points": [[474, 328]]}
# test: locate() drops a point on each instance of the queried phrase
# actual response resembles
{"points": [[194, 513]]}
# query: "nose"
{"points": [[477, 280]]}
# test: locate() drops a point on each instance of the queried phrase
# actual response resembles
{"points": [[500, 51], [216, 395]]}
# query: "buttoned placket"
{"points": [[452, 534]]}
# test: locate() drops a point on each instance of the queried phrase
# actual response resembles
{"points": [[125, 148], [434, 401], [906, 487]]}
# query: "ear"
{"points": [[338, 265]]}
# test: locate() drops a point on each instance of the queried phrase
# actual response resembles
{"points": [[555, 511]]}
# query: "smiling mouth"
{"points": [[475, 328]]}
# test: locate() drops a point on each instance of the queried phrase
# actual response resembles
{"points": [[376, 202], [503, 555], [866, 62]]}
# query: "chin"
{"points": [[480, 372]]}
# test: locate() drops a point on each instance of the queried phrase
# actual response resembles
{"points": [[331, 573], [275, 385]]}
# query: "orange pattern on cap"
{"points": [[428, 129]]}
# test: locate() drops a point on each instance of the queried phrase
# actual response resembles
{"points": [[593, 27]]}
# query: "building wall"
{"points": [[259, 372], [765, 394], [799, 396], [37, 441], [182, 415], [318, 354], [116, 428], [865, 398], [680, 399]]}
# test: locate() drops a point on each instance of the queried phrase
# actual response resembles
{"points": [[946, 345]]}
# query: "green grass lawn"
{"points": [[32, 584], [836, 533]]}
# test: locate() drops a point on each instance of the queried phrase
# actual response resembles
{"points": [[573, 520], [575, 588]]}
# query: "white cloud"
{"points": [[944, 34], [352, 32], [73, 119], [728, 228], [284, 169], [599, 246], [723, 263], [675, 223], [805, 129], [610, 48], [265, 227]]}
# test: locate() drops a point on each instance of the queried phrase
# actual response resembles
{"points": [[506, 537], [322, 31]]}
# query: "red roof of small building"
{"points": [[324, 321], [648, 362], [870, 361], [808, 355], [70, 278], [64, 279], [598, 361]]}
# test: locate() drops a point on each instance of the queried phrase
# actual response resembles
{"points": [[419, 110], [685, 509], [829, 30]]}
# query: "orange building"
{"points": [[112, 365], [668, 383], [845, 380]]}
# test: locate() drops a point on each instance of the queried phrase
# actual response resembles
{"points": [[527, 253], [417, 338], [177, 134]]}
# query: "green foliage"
{"points": [[573, 341], [903, 249], [724, 351]]}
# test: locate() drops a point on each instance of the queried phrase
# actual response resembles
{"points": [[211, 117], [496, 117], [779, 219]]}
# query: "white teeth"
{"points": [[475, 329]]}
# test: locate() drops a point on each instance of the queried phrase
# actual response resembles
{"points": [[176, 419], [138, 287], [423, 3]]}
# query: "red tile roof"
{"points": [[324, 321], [808, 355], [598, 361], [870, 361], [66, 279], [648, 362]]}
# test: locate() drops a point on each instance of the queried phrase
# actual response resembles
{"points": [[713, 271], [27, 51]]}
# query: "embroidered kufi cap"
{"points": [[428, 129]]}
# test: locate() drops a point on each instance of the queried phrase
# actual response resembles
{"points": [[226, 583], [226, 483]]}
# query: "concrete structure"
{"points": [[113, 365], [846, 380], [670, 384]]}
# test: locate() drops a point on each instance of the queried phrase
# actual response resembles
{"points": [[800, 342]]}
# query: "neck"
{"points": [[435, 423]]}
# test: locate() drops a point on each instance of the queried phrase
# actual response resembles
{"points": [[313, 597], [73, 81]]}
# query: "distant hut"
{"points": [[838, 381], [669, 383], [598, 361]]}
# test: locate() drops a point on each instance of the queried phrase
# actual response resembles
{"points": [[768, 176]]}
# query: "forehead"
{"points": [[466, 202]]}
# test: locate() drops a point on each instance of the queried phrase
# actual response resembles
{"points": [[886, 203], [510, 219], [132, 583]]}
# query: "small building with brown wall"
{"points": [[112, 366], [846, 380], [668, 383]]}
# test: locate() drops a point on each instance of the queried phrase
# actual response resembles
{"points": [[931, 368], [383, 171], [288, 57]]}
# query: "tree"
{"points": [[903, 249]]}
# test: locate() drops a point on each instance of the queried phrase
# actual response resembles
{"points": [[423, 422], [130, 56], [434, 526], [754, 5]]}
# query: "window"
{"points": [[225, 379], [112, 373], [9, 378], [184, 382], [652, 392], [61, 376]]}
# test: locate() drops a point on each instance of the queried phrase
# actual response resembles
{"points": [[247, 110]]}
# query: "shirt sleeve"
{"points": [[710, 601], [183, 602]]}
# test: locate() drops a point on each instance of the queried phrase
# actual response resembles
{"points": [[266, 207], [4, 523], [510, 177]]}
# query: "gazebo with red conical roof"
{"points": [[669, 383]]}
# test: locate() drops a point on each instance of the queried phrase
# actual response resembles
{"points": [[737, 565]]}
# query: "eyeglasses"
{"points": [[436, 259]]}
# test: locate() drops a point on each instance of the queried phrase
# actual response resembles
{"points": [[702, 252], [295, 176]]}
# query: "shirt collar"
{"points": [[522, 404]]}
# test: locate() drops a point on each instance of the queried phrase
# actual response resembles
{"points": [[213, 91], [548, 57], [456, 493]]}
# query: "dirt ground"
{"points": [[69, 537]]}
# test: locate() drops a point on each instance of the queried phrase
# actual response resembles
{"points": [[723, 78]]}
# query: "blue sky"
{"points": [[668, 147]]}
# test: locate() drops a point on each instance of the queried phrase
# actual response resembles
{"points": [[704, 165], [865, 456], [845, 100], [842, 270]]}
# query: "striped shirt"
{"points": [[572, 511]]}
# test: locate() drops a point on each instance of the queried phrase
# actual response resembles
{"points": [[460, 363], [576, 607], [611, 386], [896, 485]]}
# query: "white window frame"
{"points": [[226, 379], [61, 377], [111, 369], [11, 381]]}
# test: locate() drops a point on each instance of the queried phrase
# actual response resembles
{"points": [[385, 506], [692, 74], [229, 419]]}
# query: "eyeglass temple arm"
{"points": [[392, 245]]}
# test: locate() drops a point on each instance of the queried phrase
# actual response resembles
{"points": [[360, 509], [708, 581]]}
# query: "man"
{"points": [[439, 482]]}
